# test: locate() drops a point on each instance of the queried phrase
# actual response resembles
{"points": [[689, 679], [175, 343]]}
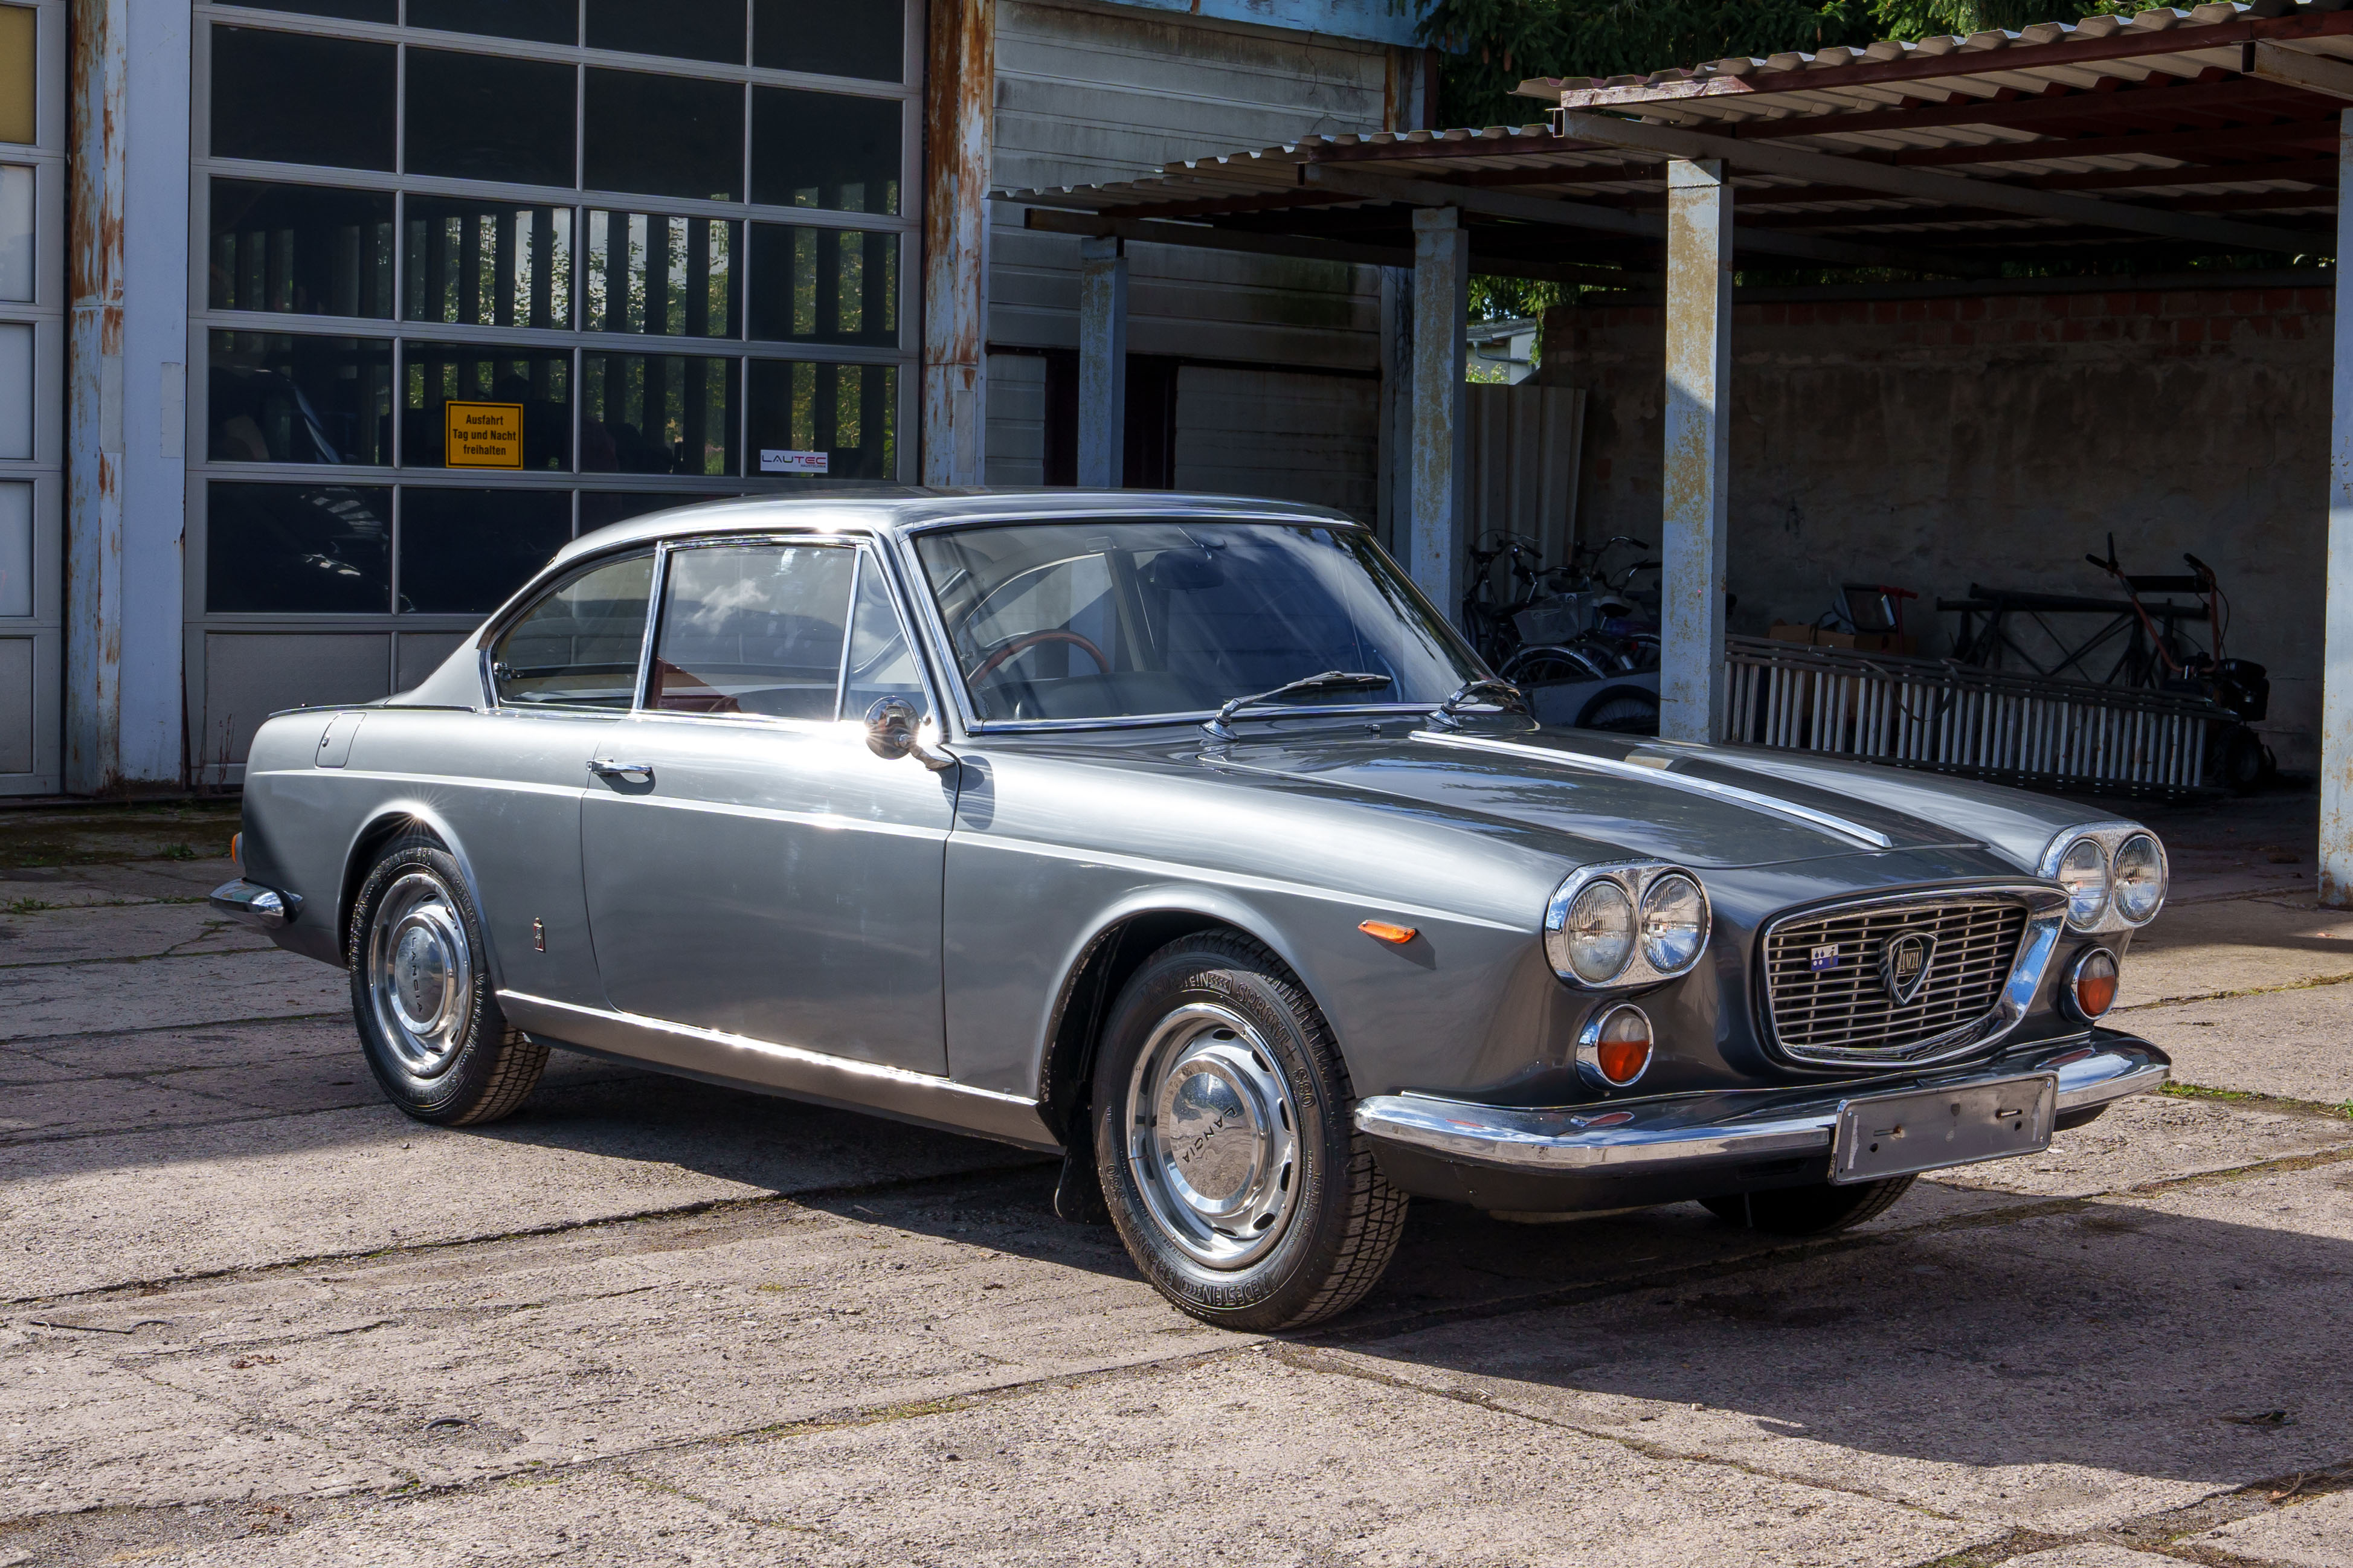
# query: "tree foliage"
{"points": [[1491, 45]]}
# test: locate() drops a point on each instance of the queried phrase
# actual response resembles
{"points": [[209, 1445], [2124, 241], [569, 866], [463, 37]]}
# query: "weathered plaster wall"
{"points": [[1932, 444]]}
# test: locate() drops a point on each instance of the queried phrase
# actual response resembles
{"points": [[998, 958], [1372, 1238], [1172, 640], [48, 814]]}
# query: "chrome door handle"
{"points": [[605, 769]]}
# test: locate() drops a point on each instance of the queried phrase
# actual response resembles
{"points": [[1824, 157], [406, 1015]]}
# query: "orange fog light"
{"points": [[1614, 1051], [2092, 984]]}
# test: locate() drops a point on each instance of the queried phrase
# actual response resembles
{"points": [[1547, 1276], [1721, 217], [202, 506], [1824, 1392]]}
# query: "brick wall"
{"points": [[1936, 443]]}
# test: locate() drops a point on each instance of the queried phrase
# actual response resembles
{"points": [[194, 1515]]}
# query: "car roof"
{"points": [[879, 509]]}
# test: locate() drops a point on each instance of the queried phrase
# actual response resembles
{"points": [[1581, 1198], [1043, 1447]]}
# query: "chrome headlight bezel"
{"points": [[2108, 838], [1634, 879]]}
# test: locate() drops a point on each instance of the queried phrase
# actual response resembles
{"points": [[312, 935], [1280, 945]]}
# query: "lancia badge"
{"points": [[1903, 964]]}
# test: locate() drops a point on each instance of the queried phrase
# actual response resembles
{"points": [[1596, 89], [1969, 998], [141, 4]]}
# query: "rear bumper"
{"points": [[254, 905], [1660, 1150]]}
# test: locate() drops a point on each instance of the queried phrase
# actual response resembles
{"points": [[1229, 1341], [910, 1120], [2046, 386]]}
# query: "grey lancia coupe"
{"points": [[1181, 835]]}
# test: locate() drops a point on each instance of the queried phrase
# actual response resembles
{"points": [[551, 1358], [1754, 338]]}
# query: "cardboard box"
{"points": [[1903, 644]]}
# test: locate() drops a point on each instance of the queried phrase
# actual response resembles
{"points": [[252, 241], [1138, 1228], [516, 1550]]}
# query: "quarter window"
{"points": [[880, 665], [752, 630], [578, 646]]}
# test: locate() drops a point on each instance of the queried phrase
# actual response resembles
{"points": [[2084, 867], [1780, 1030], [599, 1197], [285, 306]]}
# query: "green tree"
{"points": [[1491, 45]]}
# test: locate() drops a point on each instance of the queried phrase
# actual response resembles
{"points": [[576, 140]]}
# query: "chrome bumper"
{"points": [[1687, 1132], [255, 905]]}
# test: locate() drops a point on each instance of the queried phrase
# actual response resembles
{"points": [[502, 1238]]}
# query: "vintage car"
{"points": [[1179, 836]]}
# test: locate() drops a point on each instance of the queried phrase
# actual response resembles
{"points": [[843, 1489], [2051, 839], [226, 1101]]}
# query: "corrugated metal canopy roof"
{"points": [[2211, 131]]}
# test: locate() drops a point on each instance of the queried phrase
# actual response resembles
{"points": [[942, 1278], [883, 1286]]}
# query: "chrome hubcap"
{"points": [[420, 973], [1213, 1140]]}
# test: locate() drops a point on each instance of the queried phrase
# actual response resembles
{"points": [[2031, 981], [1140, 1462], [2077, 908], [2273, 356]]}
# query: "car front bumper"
{"points": [[1699, 1145]]}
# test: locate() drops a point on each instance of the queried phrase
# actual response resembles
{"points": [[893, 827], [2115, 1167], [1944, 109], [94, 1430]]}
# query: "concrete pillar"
{"points": [[959, 101], [94, 611], [1699, 380], [2336, 654], [1103, 363], [1436, 550]]}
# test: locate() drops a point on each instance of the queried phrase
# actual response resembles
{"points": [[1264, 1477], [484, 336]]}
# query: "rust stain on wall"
{"points": [[959, 103], [97, 67]]}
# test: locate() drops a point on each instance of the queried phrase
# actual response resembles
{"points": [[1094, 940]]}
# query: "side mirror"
{"points": [[894, 730]]}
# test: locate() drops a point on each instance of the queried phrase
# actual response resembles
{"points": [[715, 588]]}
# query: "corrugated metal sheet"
{"points": [[1087, 94], [1294, 437], [2216, 126], [1524, 445]]}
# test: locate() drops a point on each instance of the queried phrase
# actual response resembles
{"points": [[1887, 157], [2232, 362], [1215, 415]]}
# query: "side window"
{"points": [[754, 630], [578, 646], [880, 665]]}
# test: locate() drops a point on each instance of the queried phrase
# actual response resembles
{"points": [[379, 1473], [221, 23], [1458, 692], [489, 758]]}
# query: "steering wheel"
{"points": [[1022, 644]]}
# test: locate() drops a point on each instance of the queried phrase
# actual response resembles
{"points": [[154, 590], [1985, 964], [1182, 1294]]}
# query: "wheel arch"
{"points": [[386, 823], [1117, 947]]}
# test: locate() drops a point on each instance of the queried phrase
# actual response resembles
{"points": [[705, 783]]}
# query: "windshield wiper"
{"points": [[1442, 716], [1330, 680]]}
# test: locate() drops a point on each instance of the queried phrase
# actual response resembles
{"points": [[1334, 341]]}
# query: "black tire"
{"points": [[470, 1067], [1623, 709], [1331, 1221], [1809, 1211]]}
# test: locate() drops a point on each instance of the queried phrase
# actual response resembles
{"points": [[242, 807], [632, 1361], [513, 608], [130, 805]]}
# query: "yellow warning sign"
{"points": [[485, 435]]}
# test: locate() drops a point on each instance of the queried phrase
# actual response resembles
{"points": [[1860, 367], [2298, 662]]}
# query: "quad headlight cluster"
{"points": [[1632, 923], [2114, 874]]}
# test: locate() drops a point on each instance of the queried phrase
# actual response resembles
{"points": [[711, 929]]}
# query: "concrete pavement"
{"points": [[250, 1315]]}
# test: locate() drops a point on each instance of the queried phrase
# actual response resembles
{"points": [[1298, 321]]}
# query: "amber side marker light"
{"points": [[237, 851], [2092, 984], [1614, 1051], [1382, 931]]}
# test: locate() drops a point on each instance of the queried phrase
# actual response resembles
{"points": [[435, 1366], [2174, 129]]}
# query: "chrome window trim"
{"points": [[2110, 837], [1636, 877], [528, 597], [2046, 919], [935, 627]]}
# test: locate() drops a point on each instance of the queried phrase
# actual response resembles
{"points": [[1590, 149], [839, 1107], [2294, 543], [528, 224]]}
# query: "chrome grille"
{"points": [[1842, 1011]]}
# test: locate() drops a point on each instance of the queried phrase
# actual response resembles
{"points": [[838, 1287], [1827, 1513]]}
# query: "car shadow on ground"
{"points": [[2195, 1342]]}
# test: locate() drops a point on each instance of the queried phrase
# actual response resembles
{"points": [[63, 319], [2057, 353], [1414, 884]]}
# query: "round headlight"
{"points": [[2140, 878], [1615, 1049], [1597, 937], [2083, 872], [1674, 924]]}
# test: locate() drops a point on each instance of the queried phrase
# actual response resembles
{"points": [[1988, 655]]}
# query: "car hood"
{"points": [[1701, 806]]}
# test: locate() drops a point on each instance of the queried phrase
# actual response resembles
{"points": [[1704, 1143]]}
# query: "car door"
{"points": [[751, 867], [563, 675]]}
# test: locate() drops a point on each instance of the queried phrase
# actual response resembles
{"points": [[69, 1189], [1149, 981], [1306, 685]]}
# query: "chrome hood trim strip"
{"points": [[1839, 826]]}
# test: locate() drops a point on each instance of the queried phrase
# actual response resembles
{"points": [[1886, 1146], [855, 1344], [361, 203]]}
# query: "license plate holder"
{"points": [[1884, 1136]]}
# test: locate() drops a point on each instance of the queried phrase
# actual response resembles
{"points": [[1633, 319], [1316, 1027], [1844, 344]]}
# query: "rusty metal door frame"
{"points": [[32, 647]]}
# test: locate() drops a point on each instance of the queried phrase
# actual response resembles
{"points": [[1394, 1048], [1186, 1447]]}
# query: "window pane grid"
{"points": [[356, 291]]}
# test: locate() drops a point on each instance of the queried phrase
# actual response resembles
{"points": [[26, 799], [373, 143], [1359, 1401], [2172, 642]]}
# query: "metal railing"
{"points": [[1990, 724]]}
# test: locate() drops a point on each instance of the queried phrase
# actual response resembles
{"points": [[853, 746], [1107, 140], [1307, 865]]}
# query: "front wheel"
{"points": [[421, 993], [1225, 1143], [1809, 1211]]}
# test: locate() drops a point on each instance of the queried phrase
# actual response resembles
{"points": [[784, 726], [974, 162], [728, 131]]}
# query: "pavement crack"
{"points": [[1328, 1362], [2317, 983]]}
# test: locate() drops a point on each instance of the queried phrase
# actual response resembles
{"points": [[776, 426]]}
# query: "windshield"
{"points": [[1128, 619]]}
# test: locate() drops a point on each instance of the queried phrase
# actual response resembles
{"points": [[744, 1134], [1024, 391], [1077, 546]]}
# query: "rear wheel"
{"points": [[1225, 1143], [421, 994], [1809, 1211]]}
